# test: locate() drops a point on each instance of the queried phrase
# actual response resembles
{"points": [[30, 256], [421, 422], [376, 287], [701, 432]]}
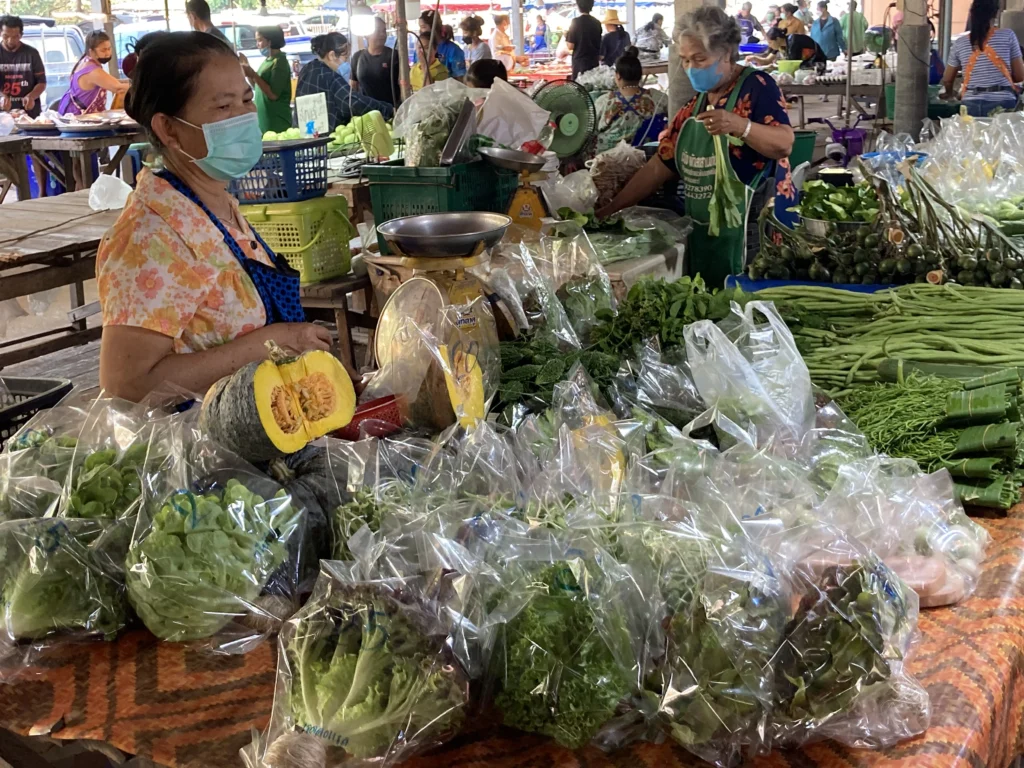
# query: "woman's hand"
{"points": [[299, 337], [723, 122]]}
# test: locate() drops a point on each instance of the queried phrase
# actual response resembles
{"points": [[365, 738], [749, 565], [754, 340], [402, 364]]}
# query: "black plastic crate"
{"points": [[21, 399]]}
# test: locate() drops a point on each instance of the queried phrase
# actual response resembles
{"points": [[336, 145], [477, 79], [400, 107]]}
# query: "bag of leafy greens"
{"points": [[365, 668], [61, 580], [215, 555], [564, 629], [840, 672]]}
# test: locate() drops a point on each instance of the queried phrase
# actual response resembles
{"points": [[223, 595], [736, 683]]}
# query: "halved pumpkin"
{"points": [[278, 406], [465, 381]]}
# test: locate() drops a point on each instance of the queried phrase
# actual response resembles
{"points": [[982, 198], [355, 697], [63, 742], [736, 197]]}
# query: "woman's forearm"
{"points": [[264, 86], [773, 141], [644, 183]]}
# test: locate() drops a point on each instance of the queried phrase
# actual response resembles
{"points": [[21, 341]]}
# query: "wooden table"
{"points": [[64, 155], [655, 67], [356, 192], [838, 89], [333, 295], [47, 243], [14, 152]]}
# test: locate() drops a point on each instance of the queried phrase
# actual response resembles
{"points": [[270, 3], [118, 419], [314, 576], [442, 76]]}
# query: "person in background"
{"points": [[990, 59], [621, 112], [434, 71], [771, 16], [790, 48], [583, 39], [448, 52], [89, 81], [731, 100], [22, 74], [789, 23], [652, 38], [749, 25], [540, 34], [501, 44], [615, 40], [828, 33], [345, 67], [323, 75], [477, 48], [273, 81], [484, 72], [860, 26], [804, 13], [130, 61], [375, 68], [199, 18], [189, 293]]}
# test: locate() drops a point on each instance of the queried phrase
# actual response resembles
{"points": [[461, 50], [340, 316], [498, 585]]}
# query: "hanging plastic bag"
{"points": [[215, 555], [364, 667], [510, 117], [426, 119], [575, 191], [612, 170]]}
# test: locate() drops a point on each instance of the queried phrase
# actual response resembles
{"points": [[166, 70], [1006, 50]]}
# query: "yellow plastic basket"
{"points": [[312, 235]]}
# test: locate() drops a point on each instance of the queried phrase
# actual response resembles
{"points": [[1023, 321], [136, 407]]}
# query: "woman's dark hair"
{"points": [[980, 18], [473, 26], [273, 35], [585, 6], [627, 66], [131, 61], [775, 33], [93, 40], [331, 42], [165, 77], [428, 39], [789, 8], [484, 72]]}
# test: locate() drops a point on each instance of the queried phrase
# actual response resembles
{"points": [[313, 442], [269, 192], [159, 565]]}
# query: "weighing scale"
{"points": [[527, 208]]}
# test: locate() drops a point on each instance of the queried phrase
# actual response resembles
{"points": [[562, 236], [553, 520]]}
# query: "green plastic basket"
{"points": [[803, 147], [397, 191], [936, 108], [312, 235]]}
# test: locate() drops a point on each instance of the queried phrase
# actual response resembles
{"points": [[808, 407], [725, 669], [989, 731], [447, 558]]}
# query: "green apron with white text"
{"points": [[715, 258]]}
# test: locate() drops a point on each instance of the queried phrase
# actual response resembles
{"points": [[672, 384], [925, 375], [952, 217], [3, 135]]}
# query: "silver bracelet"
{"points": [[746, 131]]}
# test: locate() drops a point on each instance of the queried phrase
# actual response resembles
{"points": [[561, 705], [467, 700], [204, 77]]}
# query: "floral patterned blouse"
{"points": [[164, 266], [619, 117], [759, 100]]}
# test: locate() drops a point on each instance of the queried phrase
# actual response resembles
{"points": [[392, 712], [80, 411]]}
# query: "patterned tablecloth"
{"points": [[184, 709]]}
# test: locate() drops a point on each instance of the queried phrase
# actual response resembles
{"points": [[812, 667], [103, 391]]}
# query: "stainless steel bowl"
{"points": [[512, 159], [444, 234]]}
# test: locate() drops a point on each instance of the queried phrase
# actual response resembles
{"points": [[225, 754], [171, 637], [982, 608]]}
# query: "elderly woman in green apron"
{"points": [[738, 114]]}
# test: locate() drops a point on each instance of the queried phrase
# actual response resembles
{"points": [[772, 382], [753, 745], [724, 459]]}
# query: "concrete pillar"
{"points": [[631, 17], [516, 12], [679, 89], [912, 69], [1013, 19]]}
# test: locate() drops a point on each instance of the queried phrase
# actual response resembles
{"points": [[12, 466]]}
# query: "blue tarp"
{"points": [[335, 5]]}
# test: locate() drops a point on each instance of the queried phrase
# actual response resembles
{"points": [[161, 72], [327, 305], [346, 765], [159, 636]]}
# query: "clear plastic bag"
{"points": [[612, 170], [426, 120], [61, 581], [365, 668], [752, 372], [215, 555], [582, 285], [575, 191]]}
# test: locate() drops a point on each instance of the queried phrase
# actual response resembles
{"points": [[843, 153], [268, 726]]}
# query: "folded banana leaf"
{"points": [[978, 406], [1006, 376], [989, 467], [999, 493], [1002, 439]]}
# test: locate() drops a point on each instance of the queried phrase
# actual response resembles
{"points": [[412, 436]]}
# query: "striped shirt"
{"points": [[1003, 43]]}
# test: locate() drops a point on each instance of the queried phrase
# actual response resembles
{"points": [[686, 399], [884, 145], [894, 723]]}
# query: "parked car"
{"points": [[321, 23], [60, 47]]}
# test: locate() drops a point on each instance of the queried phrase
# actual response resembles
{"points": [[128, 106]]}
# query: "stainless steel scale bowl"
{"points": [[444, 235]]}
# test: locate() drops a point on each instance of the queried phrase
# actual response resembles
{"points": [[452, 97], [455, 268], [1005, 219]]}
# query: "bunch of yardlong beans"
{"points": [[844, 335]]}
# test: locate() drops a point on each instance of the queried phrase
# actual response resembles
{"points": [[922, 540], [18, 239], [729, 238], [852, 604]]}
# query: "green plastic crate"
{"points": [[397, 191], [803, 147], [936, 108]]}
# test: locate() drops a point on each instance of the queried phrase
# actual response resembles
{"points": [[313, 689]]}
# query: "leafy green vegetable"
{"points": [[583, 298], [826, 202], [728, 196], [205, 556], [363, 673], [361, 509], [842, 643], [558, 675], [61, 576]]}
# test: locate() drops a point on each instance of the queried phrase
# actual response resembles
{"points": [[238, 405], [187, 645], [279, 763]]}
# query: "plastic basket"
{"points": [[288, 172], [312, 235], [397, 191], [21, 399], [803, 147]]}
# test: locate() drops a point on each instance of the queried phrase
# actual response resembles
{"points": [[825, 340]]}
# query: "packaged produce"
{"points": [[364, 668], [426, 120], [215, 552], [612, 170], [277, 406]]}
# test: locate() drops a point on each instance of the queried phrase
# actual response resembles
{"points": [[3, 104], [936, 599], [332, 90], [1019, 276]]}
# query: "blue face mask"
{"points": [[264, 52], [233, 146], [703, 79]]}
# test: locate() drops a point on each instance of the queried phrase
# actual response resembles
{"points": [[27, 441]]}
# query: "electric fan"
{"points": [[574, 119], [878, 39]]}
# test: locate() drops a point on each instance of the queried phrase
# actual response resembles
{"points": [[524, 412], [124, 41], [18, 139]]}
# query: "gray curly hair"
{"points": [[716, 30]]}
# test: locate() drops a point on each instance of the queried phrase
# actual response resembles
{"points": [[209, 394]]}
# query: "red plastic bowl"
{"points": [[377, 418]]}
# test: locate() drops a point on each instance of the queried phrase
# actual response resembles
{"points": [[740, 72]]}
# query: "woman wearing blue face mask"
{"points": [[272, 82], [189, 292], [742, 111]]}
